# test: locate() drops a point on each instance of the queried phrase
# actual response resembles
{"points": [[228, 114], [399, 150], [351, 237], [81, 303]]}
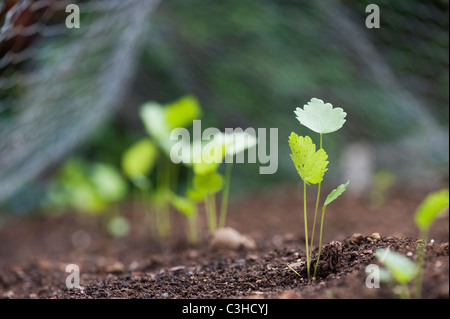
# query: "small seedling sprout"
{"points": [[427, 212], [159, 121], [311, 165], [399, 269], [92, 187], [138, 161], [235, 143]]}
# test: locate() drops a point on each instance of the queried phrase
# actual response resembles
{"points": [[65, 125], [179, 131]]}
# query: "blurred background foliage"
{"points": [[249, 63]]}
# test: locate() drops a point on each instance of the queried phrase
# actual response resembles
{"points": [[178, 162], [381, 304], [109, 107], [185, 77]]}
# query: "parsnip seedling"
{"points": [[138, 161], [159, 121], [235, 143], [399, 269], [311, 165], [92, 187], [427, 212], [207, 181], [188, 207]]}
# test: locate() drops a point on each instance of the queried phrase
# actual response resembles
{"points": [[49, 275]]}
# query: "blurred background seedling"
{"points": [[428, 211], [399, 271], [159, 122], [90, 187]]}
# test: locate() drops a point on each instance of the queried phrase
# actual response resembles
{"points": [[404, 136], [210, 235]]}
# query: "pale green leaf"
{"points": [[211, 157], [182, 112], [335, 193], [139, 159], [85, 198], [311, 164], [154, 119], [108, 182], [184, 205], [321, 117], [210, 182], [433, 205], [400, 266], [385, 275], [195, 194], [118, 226]]}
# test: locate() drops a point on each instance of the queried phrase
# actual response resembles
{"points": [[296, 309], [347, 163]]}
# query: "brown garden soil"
{"points": [[35, 250]]}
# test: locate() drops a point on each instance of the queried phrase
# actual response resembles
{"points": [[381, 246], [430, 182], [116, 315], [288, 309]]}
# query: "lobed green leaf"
{"points": [[321, 117], [311, 164]]}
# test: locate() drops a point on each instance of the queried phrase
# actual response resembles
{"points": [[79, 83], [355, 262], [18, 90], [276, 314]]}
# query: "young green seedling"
{"points": [[138, 161], [207, 180], [427, 212], [322, 118], [91, 187], [331, 197], [235, 143], [188, 207], [399, 269], [311, 166], [159, 121]]}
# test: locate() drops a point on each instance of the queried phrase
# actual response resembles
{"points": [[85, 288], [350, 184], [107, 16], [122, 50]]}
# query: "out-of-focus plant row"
{"points": [[147, 175]]}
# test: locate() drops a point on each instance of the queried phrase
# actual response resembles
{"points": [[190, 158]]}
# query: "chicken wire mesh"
{"points": [[67, 83], [250, 63]]}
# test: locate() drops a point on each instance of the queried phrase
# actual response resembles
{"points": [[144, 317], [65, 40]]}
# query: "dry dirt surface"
{"points": [[35, 251]]}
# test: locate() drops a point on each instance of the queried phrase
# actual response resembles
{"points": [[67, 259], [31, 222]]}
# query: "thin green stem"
{"points": [[317, 206], [320, 244], [315, 215], [163, 209], [404, 292], [308, 260], [210, 204], [193, 229], [294, 271], [420, 263], [225, 195]]}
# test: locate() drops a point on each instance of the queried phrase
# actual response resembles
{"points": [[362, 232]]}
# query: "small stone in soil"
{"points": [[376, 236], [356, 239], [229, 238]]}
